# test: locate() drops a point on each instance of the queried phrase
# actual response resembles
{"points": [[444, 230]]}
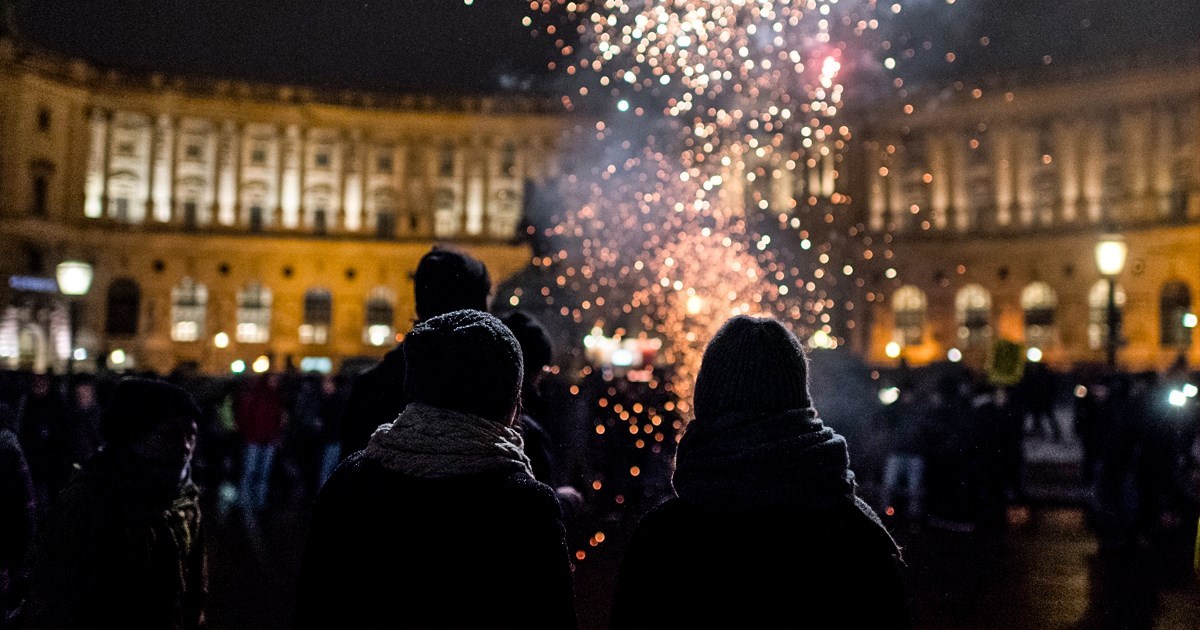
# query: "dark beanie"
{"points": [[139, 405], [536, 348], [465, 361], [752, 364], [448, 280]]}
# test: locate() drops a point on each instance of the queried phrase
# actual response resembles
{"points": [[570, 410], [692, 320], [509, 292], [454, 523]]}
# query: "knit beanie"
{"points": [[139, 405], [752, 364], [448, 280], [464, 361]]}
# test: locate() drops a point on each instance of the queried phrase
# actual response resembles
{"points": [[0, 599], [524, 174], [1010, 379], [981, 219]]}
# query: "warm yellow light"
{"points": [[892, 350], [695, 304], [261, 364], [74, 277], [221, 340], [1110, 256], [1034, 355]]}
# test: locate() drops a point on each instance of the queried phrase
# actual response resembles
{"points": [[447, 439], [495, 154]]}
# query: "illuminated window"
{"points": [[1039, 303], [973, 312], [43, 119], [1098, 312], [254, 314], [189, 305], [318, 316], [1175, 302], [908, 304], [383, 163], [379, 327], [504, 214]]}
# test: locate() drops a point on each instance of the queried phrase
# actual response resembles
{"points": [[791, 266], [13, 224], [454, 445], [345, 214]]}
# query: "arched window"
{"points": [[1175, 304], [189, 305], [1098, 312], [380, 317], [1039, 302], [318, 316], [908, 305], [973, 311], [504, 215], [254, 314], [124, 306]]}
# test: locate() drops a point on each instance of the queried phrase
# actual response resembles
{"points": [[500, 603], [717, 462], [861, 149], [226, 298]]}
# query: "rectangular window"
{"points": [[254, 315], [508, 161], [120, 211], [190, 214], [321, 159], [318, 315], [385, 225], [256, 219], [446, 162], [41, 193], [258, 156], [126, 149], [383, 163], [320, 221], [43, 119], [193, 151]]}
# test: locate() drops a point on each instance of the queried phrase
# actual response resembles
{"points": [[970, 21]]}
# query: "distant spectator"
{"points": [[16, 518], [260, 421], [904, 468], [439, 521], [766, 531], [43, 420], [122, 546], [445, 280]]}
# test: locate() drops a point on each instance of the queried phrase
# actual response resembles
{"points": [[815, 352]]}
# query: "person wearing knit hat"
{"points": [[766, 530], [439, 521], [445, 280], [122, 544]]}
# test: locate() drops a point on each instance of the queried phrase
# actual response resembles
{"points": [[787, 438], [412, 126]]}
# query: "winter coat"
{"points": [[116, 554], [475, 551], [16, 521], [688, 567], [260, 413]]}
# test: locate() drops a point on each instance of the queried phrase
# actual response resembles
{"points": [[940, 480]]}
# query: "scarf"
{"points": [[434, 443], [753, 460]]}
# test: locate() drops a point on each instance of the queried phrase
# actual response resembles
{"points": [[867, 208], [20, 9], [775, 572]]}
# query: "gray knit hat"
{"points": [[465, 361], [752, 364]]}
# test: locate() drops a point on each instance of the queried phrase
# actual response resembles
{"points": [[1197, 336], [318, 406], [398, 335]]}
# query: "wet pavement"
{"points": [[1043, 569]]}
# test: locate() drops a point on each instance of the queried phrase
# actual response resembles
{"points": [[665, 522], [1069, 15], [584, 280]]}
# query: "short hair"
{"points": [[448, 280]]}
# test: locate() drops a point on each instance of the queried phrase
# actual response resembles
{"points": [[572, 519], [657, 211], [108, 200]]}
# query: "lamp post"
{"points": [[74, 280], [1110, 260]]}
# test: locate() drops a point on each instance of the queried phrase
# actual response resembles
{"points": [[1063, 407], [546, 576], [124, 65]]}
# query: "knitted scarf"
{"points": [[752, 460], [433, 443]]}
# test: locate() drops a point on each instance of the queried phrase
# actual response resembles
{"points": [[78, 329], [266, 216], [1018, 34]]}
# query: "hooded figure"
{"points": [[122, 547], [766, 531], [439, 522]]}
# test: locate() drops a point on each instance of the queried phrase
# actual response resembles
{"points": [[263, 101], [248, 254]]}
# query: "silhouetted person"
{"points": [[1037, 390], [766, 530], [122, 545], [17, 518], [445, 280], [43, 419], [904, 467], [260, 421], [439, 522]]}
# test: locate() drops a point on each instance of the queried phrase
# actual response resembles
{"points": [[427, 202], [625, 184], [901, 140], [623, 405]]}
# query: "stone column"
{"points": [[1002, 159], [939, 194], [96, 183], [227, 172], [1066, 139], [960, 199], [1093, 172], [1162, 157], [876, 188]]}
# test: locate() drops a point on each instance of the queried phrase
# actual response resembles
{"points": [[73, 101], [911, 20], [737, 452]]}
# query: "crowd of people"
{"points": [[447, 489]]}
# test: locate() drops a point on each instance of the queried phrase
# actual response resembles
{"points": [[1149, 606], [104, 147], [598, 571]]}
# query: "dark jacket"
{"points": [[691, 568], [477, 551], [114, 554], [376, 397], [16, 521]]}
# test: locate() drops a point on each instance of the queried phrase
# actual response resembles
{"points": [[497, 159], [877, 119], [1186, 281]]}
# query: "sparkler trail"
{"points": [[718, 148]]}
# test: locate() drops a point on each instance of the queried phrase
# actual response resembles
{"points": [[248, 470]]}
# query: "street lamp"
{"points": [[74, 280], [1110, 260]]}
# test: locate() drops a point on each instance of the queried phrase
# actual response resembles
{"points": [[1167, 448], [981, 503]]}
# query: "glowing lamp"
{"points": [[1177, 398], [1110, 256], [1189, 320], [892, 350], [261, 364], [1034, 355], [889, 395], [117, 357], [221, 340], [1190, 390], [954, 355], [74, 277], [237, 367]]}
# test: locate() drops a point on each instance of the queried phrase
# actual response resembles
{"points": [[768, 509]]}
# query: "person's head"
{"points": [[85, 394], [39, 386], [464, 361], [752, 364], [536, 348], [448, 280], [153, 425]]}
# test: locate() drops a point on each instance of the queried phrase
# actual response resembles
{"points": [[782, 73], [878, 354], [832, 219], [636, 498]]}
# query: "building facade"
{"points": [[992, 205], [226, 221]]}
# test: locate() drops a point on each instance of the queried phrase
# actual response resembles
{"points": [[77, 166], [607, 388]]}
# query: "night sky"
{"points": [[447, 46]]}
